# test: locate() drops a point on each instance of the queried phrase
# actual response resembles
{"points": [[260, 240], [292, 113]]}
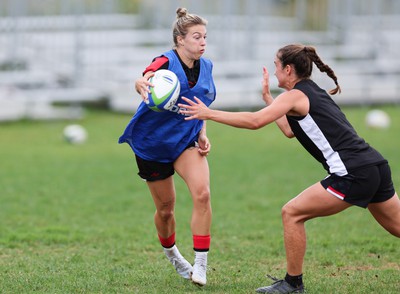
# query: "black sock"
{"points": [[294, 281]]}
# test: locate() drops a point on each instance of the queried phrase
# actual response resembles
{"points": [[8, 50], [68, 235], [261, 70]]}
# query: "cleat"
{"points": [[280, 286], [181, 265], [199, 276]]}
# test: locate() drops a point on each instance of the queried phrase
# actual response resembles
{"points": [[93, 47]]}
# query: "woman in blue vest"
{"points": [[163, 142], [357, 173]]}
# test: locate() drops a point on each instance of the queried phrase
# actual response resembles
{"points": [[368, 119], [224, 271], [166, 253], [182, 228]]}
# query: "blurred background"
{"points": [[58, 56]]}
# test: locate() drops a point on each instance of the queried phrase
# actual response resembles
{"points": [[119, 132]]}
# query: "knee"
{"points": [[202, 197], [166, 211], [290, 213], [286, 213]]}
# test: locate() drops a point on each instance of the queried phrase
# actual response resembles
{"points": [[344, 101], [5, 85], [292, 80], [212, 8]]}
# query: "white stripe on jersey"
{"points": [[333, 160]]}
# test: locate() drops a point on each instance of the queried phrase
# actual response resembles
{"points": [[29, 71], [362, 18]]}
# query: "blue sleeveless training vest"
{"points": [[163, 136]]}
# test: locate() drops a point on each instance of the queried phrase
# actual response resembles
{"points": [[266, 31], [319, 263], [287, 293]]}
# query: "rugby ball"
{"points": [[75, 134], [377, 119], [165, 92]]}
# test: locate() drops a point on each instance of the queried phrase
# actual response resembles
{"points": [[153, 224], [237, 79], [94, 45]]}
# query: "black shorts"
{"points": [[154, 170], [371, 184]]}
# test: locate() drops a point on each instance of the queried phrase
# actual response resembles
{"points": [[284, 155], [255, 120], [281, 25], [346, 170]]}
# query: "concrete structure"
{"points": [[80, 53]]}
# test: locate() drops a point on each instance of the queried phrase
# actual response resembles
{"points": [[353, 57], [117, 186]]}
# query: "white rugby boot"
{"points": [[199, 275], [181, 265]]}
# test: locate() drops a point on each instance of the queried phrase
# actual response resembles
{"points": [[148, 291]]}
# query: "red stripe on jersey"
{"points": [[158, 63]]}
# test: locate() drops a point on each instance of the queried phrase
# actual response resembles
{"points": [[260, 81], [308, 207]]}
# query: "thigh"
{"points": [[193, 169], [387, 214], [315, 201], [163, 193]]}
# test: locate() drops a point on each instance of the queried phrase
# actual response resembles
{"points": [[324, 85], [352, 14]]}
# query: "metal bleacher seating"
{"points": [[73, 60]]}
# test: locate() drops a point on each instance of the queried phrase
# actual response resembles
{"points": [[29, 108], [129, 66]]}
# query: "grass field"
{"points": [[77, 219]]}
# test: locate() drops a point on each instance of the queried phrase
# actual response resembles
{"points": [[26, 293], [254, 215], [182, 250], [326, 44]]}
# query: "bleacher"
{"points": [[74, 60]]}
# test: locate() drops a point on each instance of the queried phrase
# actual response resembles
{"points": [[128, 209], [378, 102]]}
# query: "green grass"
{"points": [[77, 219]]}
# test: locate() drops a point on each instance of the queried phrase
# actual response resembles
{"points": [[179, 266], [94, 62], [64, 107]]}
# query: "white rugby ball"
{"points": [[165, 92], [377, 119], [75, 134]]}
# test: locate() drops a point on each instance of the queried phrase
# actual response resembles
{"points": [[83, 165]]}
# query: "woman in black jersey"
{"points": [[357, 173]]}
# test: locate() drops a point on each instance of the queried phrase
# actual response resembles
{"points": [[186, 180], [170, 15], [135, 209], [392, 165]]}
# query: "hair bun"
{"points": [[181, 12]]}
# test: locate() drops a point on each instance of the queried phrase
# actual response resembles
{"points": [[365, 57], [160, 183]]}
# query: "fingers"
{"points": [[146, 85], [204, 145], [265, 73], [206, 150], [142, 86], [187, 100], [187, 109], [198, 100], [203, 153], [144, 92], [190, 114], [193, 109], [190, 103]]}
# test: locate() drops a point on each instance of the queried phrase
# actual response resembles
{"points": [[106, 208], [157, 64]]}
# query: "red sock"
{"points": [[201, 243], [167, 242]]}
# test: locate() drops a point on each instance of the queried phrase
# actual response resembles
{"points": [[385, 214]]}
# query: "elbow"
{"points": [[286, 130], [255, 125]]}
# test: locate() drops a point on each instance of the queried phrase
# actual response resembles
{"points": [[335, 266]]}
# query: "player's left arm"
{"points": [[281, 122]]}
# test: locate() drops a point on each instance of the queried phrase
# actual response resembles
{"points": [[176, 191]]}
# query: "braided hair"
{"points": [[302, 58]]}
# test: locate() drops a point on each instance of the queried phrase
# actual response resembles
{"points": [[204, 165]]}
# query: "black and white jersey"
{"points": [[328, 136]]}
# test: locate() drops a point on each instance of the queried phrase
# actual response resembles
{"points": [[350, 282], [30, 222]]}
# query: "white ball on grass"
{"points": [[75, 134], [377, 119]]}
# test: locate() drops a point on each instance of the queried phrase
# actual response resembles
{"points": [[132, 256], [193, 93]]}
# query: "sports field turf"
{"points": [[77, 219]]}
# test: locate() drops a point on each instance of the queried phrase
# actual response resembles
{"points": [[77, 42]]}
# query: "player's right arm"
{"points": [[142, 84], [281, 122], [286, 102]]}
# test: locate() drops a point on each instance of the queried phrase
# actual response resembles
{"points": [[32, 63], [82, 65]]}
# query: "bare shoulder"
{"points": [[297, 102]]}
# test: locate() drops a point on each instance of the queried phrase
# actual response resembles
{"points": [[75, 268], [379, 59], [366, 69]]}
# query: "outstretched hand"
{"points": [[265, 81], [266, 91], [194, 109]]}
